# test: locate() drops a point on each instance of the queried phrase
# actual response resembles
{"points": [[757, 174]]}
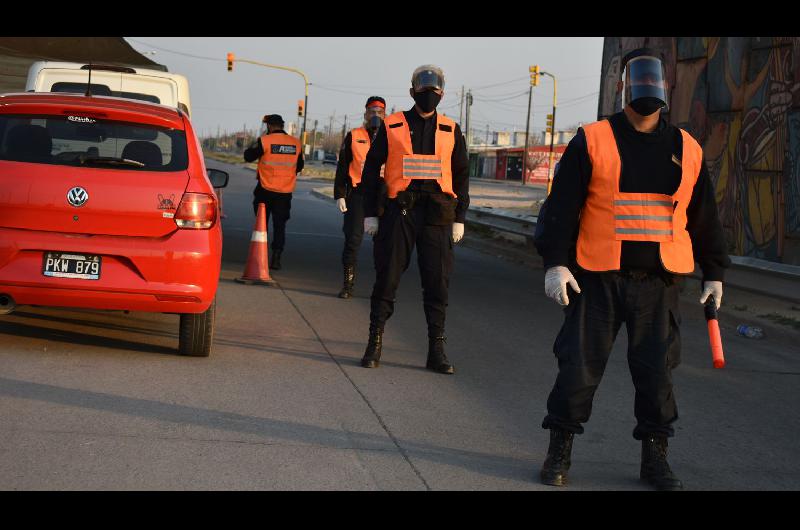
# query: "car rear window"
{"points": [[80, 141], [101, 90]]}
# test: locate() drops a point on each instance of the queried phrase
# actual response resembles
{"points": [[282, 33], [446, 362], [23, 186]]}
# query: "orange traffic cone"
{"points": [[257, 269]]}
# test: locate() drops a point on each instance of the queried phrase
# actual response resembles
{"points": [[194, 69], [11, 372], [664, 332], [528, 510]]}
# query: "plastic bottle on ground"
{"points": [[750, 332]]}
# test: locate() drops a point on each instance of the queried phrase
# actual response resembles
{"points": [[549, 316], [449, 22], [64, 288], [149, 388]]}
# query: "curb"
{"points": [[320, 194]]}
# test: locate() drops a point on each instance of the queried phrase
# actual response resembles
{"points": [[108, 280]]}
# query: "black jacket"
{"points": [[647, 167], [423, 143]]}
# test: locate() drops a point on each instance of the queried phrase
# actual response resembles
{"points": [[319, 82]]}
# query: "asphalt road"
{"points": [[92, 400]]}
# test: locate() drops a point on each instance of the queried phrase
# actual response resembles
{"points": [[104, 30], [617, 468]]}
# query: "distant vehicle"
{"points": [[107, 204], [330, 158], [143, 84]]}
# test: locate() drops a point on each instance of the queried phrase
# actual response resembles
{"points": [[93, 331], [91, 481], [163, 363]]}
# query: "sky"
{"points": [[344, 71]]}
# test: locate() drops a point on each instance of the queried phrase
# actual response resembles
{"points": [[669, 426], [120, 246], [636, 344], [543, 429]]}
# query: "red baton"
{"points": [[713, 333]]}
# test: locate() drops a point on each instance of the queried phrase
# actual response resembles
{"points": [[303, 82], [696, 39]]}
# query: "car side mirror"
{"points": [[218, 178]]}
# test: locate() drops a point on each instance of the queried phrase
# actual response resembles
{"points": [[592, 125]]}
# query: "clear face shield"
{"points": [[427, 79], [644, 78]]}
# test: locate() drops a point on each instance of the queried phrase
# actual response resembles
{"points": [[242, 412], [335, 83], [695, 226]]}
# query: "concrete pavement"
{"points": [[101, 401]]}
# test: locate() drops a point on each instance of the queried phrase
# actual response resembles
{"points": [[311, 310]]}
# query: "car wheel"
{"points": [[196, 332]]}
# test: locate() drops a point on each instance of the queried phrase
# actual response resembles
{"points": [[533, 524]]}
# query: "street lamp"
{"points": [[231, 59]]}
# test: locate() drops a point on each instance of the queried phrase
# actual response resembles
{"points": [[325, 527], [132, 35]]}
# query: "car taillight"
{"points": [[196, 210]]}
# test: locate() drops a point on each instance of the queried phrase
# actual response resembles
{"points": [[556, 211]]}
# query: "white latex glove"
{"points": [[555, 284], [712, 288], [342, 204], [458, 232], [370, 226]]}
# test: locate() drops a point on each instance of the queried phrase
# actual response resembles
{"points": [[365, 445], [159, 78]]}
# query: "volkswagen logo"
{"points": [[77, 197]]}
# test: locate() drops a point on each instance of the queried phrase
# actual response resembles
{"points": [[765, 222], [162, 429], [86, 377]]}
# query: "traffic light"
{"points": [[549, 123], [230, 62], [534, 75], [300, 108]]}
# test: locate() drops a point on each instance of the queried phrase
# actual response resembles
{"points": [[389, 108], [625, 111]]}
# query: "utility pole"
{"points": [[534, 70], [461, 107], [313, 139], [330, 128], [469, 104], [552, 128]]}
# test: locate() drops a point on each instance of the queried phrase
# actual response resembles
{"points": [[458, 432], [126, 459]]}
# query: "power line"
{"points": [[315, 85], [176, 53], [517, 95], [499, 84]]}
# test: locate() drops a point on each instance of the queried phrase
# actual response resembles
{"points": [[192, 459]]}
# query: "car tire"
{"points": [[196, 332]]}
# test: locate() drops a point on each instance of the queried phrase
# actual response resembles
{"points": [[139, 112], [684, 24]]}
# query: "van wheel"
{"points": [[197, 332]]}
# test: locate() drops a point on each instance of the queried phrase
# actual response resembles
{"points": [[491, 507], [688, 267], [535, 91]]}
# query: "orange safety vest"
{"points": [[359, 146], [610, 217], [277, 167], [402, 165]]}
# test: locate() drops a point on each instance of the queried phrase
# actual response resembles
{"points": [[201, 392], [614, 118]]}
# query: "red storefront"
{"points": [[509, 162]]}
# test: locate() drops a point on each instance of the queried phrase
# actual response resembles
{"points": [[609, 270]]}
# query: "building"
{"points": [[505, 163], [740, 98]]}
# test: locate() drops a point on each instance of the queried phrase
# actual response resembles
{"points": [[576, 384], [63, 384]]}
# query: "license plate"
{"points": [[70, 265]]}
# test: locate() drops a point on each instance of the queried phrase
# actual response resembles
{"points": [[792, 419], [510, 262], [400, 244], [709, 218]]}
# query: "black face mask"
{"points": [[374, 124], [646, 106], [427, 100]]}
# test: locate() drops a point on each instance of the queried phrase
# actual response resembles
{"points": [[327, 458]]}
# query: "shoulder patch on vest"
{"points": [[394, 125], [361, 141], [443, 127], [281, 149]]}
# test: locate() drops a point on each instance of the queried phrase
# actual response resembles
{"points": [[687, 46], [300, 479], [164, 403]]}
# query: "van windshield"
{"points": [[84, 141]]}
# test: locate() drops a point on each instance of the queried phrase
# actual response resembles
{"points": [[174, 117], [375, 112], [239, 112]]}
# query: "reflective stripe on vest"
{"points": [[403, 165], [643, 217], [422, 167], [610, 217], [277, 167]]}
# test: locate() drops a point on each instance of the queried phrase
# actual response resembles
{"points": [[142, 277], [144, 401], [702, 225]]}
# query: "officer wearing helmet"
{"points": [[426, 184], [347, 189], [631, 210]]}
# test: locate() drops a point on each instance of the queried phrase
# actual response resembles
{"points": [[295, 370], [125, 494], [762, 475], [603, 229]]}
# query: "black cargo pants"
{"points": [[353, 226], [398, 233], [279, 206], [648, 305]]}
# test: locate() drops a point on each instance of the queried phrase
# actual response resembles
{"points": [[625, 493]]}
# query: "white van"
{"points": [[118, 81]]}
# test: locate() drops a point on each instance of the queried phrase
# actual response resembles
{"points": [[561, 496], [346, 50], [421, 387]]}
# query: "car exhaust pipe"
{"points": [[7, 304]]}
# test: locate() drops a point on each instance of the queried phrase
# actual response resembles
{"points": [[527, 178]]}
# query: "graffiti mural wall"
{"points": [[740, 98]]}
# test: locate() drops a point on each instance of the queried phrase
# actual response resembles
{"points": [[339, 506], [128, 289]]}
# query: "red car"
{"points": [[105, 203]]}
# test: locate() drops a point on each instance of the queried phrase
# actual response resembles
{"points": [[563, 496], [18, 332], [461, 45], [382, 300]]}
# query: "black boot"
{"points": [[276, 259], [437, 360], [655, 469], [372, 355], [349, 279], [559, 454]]}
